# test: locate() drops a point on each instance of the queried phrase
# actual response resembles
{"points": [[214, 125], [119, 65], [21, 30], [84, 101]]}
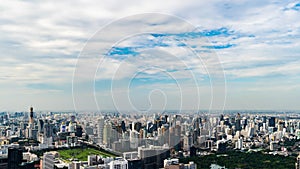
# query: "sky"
{"points": [[154, 55]]}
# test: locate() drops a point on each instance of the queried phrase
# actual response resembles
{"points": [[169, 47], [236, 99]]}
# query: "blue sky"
{"points": [[257, 43]]}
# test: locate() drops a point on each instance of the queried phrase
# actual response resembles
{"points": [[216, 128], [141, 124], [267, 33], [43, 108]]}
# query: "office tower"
{"points": [[78, 132], [100, 129], [134, 139], [73, 119], [238, 126], [251, 131], [187, 141], [89, 130], [137, 126], [193, 151], [171, 141], [48, 161], [272, 122], [153, 156], [149, 127], [33, 133], [40, 126], [63, 127], [71, 127], [264, 119], [15, 156], [31, 116], [123, 126], [107, 133], [221, 146], [48, 129]]}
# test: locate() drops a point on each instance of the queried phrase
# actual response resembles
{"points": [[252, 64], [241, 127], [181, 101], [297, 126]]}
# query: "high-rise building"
{"points": [[48, 129], [78, 132], [40, 126], [100, 129], [31, 116], [238, 126], [153, 156], [272, 122], [187, 141], [48, 161], [134, 139], [107, 133], [15, 156]]}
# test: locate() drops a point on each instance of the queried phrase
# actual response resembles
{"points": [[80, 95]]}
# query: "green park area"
{"points": [[81, 154], [232, 160]]}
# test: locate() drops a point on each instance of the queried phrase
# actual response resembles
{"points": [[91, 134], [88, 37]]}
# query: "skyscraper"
{"points": [[40, 126], [31, 121], [107, 134], [15, 156], [272, 122], [100, 129]]}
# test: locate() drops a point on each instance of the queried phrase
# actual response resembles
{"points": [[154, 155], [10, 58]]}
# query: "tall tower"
{"points": [[31, 115], [100, 129]]}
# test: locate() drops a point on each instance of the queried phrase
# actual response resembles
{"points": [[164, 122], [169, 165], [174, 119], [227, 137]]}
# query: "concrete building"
{"points": [[48, 161], [100, 129], [118, 164]]}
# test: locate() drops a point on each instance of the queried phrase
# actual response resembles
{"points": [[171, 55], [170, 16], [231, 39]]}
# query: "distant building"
{"points": [[221, 145], [100, 130], [187, 141], [239, 143], [78, 132], [272, 122]]}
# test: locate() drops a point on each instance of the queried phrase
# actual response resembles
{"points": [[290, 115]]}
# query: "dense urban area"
{"points": [[170, 140]]}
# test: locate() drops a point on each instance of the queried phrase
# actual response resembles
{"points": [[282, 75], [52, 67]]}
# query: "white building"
{"points": [[107, 133], [118, 164], [100, 129], [187, 141], [134, 139], [168, 162], [239, 144], [48, 160]]}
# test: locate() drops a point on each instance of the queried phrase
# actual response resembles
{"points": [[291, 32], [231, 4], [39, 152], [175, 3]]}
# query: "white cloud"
{"points": [[42, 39]]}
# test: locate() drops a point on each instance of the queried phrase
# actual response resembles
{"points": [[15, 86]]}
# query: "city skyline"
{"points": [[256, 42]]}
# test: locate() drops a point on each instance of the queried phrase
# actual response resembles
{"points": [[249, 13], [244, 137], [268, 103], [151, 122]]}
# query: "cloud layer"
{"points": [[257, 43]]}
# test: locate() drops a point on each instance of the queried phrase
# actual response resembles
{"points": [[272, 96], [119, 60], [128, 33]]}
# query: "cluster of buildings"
{"points": [[156, 140]]}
